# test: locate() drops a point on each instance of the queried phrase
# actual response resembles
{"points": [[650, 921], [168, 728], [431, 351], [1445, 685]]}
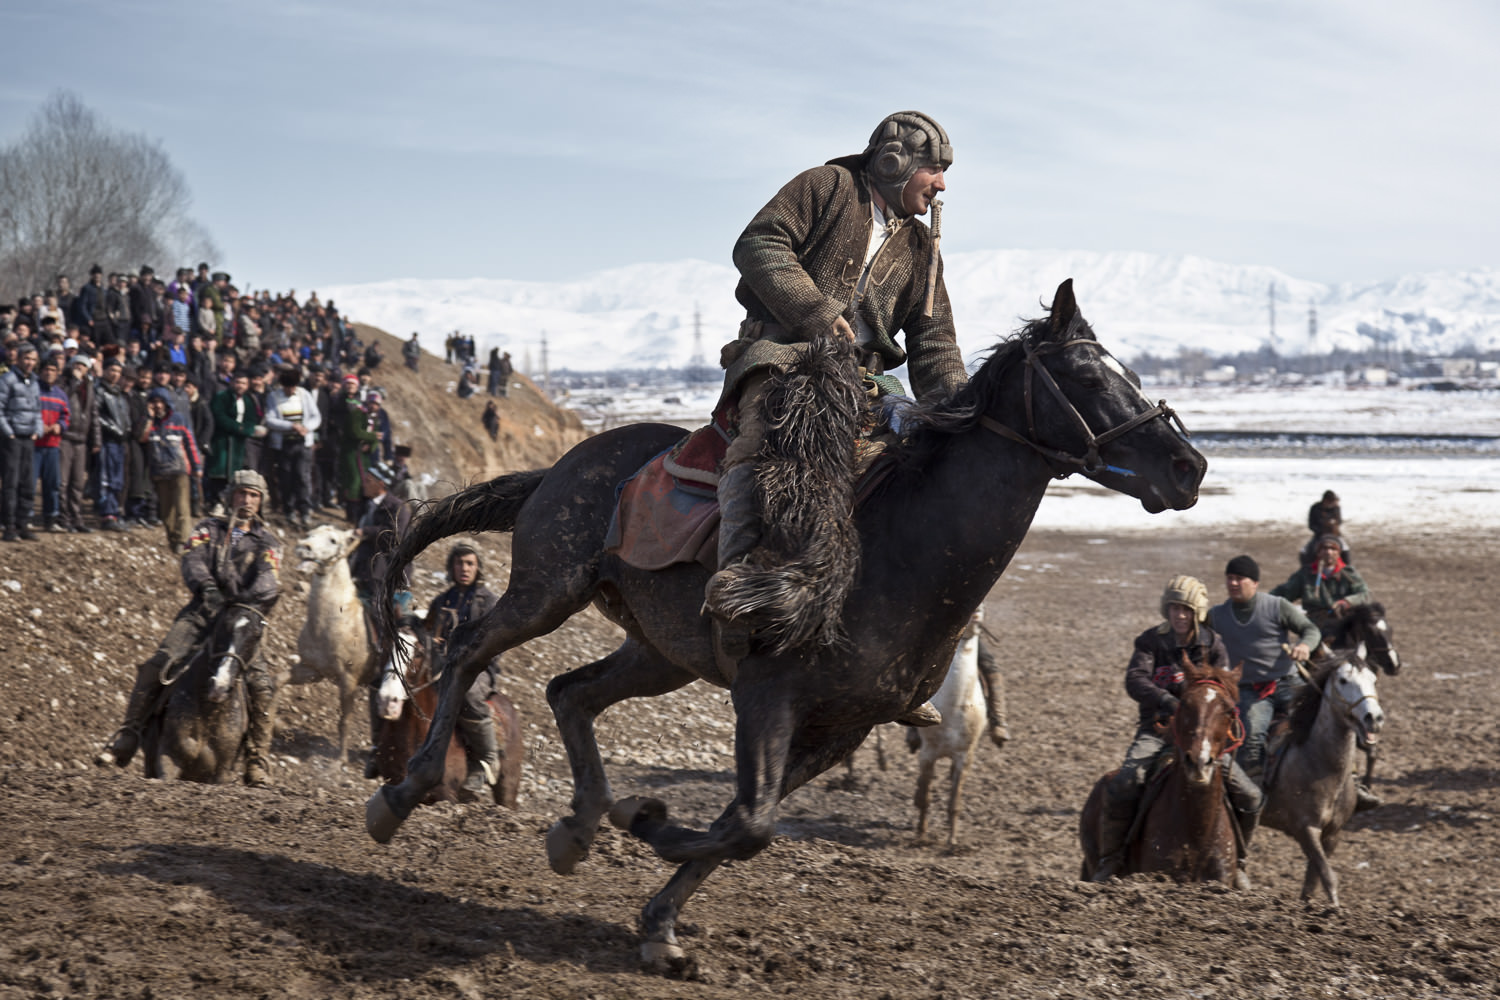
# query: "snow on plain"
{"points": [[1384, 486]]}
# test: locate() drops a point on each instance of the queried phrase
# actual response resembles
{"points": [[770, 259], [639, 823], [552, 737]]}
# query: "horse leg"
{"points": [[1372, 752], [659, 949], [955, 793], [520, 615], [926, 767], [1309, 838], [635, 670]]}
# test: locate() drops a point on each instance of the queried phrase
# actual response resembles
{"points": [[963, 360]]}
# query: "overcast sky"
{"points": [[332, 142]]}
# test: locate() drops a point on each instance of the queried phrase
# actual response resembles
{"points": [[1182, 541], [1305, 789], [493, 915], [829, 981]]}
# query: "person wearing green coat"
{"points": [[1327, 588], [237, 419], [361, 447]]}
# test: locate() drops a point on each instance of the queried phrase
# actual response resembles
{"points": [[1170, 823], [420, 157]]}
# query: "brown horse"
{"points": [[930, 544], [1187, 830], [406, 702]]}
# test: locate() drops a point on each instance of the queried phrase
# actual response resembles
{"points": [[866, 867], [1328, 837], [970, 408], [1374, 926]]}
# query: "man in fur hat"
{"points": [[836, 257]]}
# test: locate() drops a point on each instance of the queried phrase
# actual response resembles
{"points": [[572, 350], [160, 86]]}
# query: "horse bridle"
{"points": [[1236, 724], [1090, 461]]}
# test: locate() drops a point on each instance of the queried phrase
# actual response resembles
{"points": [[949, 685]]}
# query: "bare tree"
{"points": [[75, 192]]}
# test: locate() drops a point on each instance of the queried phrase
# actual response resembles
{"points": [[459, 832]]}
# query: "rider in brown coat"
{"points": [[837, 253]]}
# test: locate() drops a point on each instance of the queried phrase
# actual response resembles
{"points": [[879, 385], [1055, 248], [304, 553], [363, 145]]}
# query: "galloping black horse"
{"points": [[933, 541], [199, 733]]}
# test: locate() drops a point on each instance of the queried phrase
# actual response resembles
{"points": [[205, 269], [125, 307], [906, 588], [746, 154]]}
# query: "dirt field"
{"points": [[114, 886]]}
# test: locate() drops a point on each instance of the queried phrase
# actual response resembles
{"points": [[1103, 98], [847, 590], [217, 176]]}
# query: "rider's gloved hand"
{"points": [[213, 600]]}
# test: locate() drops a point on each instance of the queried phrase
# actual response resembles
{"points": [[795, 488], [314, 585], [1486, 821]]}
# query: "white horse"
{"points": [[334, 644], [1311, 795], [961, 702]]}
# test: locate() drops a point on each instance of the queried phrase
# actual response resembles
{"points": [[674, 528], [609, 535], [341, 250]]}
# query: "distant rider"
{"points": [[247, 573], [468, 600], [1327, 587], [1154, 678]]}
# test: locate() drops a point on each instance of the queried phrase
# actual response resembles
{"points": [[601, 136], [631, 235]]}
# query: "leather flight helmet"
{"points": [[1189, 592], [900, 144]]}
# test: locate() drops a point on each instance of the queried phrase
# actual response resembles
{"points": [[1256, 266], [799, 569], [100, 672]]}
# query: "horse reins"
{"points": [[168, 679], [1090, 461]]}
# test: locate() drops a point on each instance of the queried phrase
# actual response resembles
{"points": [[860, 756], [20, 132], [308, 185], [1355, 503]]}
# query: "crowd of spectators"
{"points": [[145, 396]]}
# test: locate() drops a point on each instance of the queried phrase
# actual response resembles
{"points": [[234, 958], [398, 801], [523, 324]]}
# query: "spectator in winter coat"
{"points": [[293, 419], [412, 352], [114, 434], [52, 399], [80, 442], [173, 460], [491, 420], [20, 423], [236, 421]]}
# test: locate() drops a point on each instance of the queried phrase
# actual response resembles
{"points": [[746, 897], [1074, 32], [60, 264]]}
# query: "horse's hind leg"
{"points": [[926, 768], [955, 794], [577, 699], [733, 832], [523, 613]]}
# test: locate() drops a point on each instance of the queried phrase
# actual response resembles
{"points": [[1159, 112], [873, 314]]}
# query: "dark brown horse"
{"points": [[931, 544], [406, 699], [200, 732], [1187, 830]]}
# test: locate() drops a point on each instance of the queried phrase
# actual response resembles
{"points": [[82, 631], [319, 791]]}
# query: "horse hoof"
{"points": [[626, 813], [662, 957], [567, 844], [381, 821]]}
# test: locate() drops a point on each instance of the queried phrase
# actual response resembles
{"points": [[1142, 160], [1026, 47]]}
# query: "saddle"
{"points": [[668, 512]]}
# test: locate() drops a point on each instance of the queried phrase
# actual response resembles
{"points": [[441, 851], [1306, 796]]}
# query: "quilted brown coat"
{"points": [[800, 260]]}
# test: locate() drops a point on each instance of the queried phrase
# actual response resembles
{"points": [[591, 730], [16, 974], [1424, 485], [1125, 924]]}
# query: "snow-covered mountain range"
{"points": [[643, 315]]}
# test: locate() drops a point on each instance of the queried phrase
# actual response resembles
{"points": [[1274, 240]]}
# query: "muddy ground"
{"points": [[115, 886]]}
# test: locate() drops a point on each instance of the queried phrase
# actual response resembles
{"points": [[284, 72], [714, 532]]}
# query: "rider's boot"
{"points": [[1246, 800], [127, 739], [1365, 798], [925, 714], [1115, 819], [1247, 821], [258, 736], [994, 700], [484, 756], [739, 533]]}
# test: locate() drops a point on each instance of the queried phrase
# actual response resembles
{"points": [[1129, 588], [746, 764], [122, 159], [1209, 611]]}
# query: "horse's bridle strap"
{"points": [[1090, 461]]}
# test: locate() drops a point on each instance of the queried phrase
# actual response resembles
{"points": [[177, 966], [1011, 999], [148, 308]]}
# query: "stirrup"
{"points": [[922, 716]]}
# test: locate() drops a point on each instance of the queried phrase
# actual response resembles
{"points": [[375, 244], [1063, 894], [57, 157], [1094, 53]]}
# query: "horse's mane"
{"points": [[927, 425], [1304, 711]]}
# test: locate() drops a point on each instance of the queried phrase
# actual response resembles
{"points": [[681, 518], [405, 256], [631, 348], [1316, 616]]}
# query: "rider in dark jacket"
{"points": [[1154, 679], [468, 599], [245, 573]]}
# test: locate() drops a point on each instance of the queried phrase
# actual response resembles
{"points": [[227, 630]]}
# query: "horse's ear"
{"points": [[1190, 669], [1237, 672], [1064, 308]]}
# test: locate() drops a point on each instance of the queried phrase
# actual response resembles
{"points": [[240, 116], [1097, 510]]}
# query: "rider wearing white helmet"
{"points": [[1154, 679]]}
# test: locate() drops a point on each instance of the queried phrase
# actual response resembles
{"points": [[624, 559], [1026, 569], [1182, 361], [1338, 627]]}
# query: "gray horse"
{"points": [[1311, 793]]}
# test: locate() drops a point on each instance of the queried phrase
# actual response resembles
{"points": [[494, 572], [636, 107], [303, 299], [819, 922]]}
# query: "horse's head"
{"points": [[1371, 633], [404, 666], [1076, 405], [323, 545], [1206, 723], [1350, 689], [236, 639]]}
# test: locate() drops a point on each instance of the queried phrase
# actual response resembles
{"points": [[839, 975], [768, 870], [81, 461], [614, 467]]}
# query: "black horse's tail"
{"points": [[490, 506]]}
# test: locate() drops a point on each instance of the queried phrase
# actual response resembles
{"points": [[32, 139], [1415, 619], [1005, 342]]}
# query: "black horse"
{"points": [[200, 731], [933, 541]]}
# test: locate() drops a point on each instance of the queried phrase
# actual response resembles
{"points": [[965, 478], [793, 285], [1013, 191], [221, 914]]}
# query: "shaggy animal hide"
{"points": [[792, 588]]}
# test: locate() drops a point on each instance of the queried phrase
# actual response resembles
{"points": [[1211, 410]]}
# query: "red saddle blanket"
{"points": [[668, 513]]}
